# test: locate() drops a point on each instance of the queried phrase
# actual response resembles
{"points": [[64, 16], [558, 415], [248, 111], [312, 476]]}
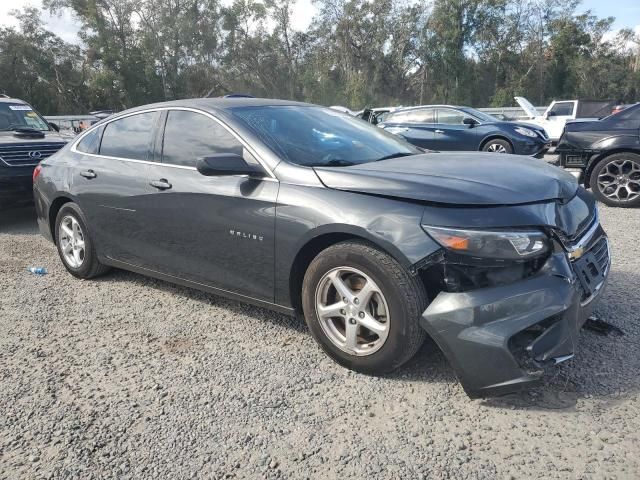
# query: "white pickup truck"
{"points": [[560, 112]]}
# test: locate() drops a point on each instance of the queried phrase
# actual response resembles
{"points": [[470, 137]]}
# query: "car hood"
{"points": [[528, 108], [457, 178]]}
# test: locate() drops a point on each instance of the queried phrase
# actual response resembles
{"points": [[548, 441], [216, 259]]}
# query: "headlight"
{"points": [[496, 244], [526, 132]]}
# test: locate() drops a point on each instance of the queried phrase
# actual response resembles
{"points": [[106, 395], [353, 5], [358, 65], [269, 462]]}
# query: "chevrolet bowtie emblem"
{"points": [[576, 253]]}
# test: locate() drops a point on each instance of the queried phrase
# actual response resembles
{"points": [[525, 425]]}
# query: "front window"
{"points": [[316, 136], [450, 117], [189, 136], [483, 117], [563, 109], [16, 116]]}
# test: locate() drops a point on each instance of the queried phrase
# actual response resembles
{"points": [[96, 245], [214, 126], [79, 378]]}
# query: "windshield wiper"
{"points": [[336, 162], [396, 155]]}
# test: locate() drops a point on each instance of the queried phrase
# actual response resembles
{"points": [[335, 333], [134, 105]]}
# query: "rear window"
{"points": [[129, 137]]}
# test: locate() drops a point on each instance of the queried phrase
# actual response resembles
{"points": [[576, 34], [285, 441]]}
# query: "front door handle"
{"points": [[161, 184], [89, 174], [439, 131]]}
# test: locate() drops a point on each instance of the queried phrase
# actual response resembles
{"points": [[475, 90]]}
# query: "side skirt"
{"points": [[198, 286]]}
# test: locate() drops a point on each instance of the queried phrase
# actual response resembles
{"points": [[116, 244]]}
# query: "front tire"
{"points": [[497, 145], [363, 307], [615, 180], [75, 246]]}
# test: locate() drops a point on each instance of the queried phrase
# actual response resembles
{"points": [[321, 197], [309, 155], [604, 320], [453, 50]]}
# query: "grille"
{"points": [[28, 154], [592, 268]]}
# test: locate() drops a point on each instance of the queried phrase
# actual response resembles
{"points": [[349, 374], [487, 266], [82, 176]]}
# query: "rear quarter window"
{"points": [[90, 143]]}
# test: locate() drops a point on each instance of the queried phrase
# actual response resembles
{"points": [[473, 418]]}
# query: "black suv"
{"points": [[25, 139]]}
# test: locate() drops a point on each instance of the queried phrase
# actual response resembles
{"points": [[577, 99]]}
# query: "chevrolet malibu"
{"points": [[303, 209]]}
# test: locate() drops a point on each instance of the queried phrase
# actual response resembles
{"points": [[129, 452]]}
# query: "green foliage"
{"points": [[355, 53]]}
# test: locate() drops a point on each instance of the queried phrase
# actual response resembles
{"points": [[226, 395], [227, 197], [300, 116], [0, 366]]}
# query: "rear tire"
{"points": [[615, 180], [497, 145], [75, 246], [392, 301]]}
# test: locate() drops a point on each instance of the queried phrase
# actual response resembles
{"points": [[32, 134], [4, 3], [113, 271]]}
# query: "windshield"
{"points": [[317, 136], [14, 116], [484, 117]]}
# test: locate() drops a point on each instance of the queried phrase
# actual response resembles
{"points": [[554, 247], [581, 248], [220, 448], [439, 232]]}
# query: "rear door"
{"points": [[451, 134], [110, 183], [416, 125], [217, 231]]}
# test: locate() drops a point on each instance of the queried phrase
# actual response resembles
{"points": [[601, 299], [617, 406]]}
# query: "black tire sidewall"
{"points": [[84, 271], [499, 141], [391, 354], [593, 180]]}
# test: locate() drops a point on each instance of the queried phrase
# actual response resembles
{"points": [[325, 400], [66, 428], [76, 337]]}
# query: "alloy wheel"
{"points": [[619, 180], [352, 310], [71, 239], [496, 148]]}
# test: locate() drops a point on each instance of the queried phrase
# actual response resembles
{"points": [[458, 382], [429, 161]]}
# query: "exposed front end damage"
{"points": [[501, 326]]}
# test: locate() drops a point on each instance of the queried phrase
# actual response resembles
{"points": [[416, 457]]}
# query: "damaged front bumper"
{"points": [[500, 339]]}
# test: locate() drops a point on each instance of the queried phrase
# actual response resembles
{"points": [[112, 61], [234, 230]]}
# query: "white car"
{"points": [[560, 112]]}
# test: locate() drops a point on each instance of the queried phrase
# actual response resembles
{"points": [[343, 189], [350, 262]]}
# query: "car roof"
{"points": [[6, 99], [219, 103]]}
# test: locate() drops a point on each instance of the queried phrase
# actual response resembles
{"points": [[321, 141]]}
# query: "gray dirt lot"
{"points": [[128, 377]]}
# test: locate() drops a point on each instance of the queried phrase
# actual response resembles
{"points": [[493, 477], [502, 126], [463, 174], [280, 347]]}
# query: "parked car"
{"points": [[300, 208], [607, 154], [375, 115], [561, 111], [25, 139], [444, 127]]}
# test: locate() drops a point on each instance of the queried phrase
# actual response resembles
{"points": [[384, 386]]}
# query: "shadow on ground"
{"points": [[18, 221]]}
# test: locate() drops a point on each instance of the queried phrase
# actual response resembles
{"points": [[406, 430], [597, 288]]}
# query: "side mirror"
{"points": [[471, 122], [550, 114], [54, 126], [226, 164]]}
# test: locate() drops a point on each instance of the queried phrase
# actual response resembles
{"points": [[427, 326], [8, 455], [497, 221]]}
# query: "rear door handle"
{"points": [[161, 184], [89, 174], [439, 131]]}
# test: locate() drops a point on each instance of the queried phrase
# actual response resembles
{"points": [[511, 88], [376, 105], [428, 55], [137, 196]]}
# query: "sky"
{"points": [[627, 13]]}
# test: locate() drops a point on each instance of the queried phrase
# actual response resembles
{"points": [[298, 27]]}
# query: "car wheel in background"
{"points": [[615, 180], [75, 246], [363, 307], [497, 145]]}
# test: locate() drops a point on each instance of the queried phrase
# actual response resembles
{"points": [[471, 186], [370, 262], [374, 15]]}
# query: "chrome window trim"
{"points": [[250, 149]]}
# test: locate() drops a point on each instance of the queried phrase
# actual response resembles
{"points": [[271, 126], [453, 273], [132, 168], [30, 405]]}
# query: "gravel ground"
{"points": [[128, 377]]}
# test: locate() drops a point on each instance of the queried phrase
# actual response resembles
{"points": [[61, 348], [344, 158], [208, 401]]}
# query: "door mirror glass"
{"points": [[54, 126], [472, 122], [225, 164]]}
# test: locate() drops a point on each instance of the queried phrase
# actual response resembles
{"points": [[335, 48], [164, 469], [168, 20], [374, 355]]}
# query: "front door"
{"points": [[218, 230], [451, 134], [416, 125]]}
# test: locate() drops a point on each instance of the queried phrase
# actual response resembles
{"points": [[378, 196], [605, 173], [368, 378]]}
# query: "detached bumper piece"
{"points": [[501, 339]]}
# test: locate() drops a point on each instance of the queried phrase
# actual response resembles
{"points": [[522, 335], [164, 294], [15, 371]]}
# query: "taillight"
{"points": [[36, 172]]}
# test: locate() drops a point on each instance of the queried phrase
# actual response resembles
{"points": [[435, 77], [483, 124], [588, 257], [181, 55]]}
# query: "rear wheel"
{"points": [[75, 246], [363, 307], [615, 180], [497, 145]]}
